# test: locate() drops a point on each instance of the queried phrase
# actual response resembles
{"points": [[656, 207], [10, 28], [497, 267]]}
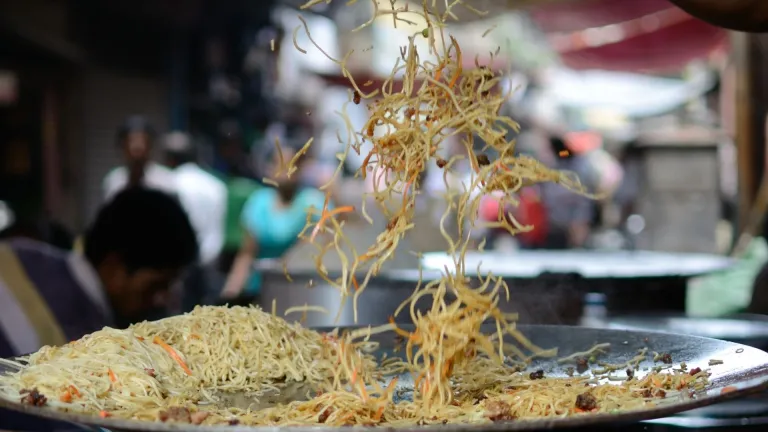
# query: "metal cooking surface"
{"points": [[743, 367], [718, 328], [588, 264]]}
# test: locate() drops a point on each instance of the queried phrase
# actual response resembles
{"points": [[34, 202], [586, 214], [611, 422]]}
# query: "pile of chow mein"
{"points": [[217, 365]]}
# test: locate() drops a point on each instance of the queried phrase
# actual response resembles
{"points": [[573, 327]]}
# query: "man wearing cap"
{"points": [[135, 138]]}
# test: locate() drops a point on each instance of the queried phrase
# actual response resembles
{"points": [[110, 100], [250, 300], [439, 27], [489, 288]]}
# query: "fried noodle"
{"points": [[188, 368]]}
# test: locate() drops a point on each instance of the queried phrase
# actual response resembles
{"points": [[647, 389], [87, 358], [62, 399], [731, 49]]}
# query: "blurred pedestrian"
{"points": [[569, 215], [204, 197], [42, 229], [231, 159], [135, 139], [271, 220]]}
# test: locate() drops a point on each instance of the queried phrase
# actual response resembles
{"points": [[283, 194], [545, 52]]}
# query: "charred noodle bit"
{"points": [[184, 368]]}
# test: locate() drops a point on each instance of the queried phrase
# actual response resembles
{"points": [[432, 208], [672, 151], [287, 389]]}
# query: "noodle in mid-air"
{"points": [[189, 368]]}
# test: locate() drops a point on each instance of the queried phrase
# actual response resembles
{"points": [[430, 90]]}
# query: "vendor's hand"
{"points": [[229, 293]]}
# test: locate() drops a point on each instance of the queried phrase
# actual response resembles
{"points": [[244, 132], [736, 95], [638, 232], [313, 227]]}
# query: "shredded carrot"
{"points": [[391, 385], [563, 153], [66, 397], [364, 166], [174, 355], [355, 284], [141, 339], [328, 214], [447, 368], [112, 376], [364, 257], [457, 74], [397, 330], [439, 72], [195, 336], [363, 392], [379, 413], [728, 389], [104, 414], [656, 383], [418, 379], [74, 391]]}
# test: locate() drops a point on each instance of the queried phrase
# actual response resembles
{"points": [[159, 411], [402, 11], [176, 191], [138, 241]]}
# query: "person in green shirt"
{"points": [[239, 189]]}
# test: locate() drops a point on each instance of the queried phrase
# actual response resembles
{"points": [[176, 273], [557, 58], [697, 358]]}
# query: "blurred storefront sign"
{"points": [[9, 88]]}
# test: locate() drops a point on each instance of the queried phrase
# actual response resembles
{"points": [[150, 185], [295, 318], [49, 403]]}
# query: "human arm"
{"points": [[248, 250], [241, 268]]}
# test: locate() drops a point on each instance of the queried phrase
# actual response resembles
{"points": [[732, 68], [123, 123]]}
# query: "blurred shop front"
{"points": [[37, 67], [73, 78], [72, 71]]}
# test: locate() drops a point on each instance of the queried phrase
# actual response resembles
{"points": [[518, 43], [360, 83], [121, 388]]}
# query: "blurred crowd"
{"points": [[174, 232]]}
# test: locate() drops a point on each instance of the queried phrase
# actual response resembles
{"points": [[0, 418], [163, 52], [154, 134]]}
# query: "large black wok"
{"points": [[743, 367]]}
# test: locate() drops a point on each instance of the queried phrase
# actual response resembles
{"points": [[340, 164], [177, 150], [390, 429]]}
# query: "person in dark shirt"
{"points": [[137, 247]]}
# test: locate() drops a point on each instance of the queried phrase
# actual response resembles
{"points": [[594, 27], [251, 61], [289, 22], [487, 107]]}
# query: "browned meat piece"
{"points": [[356, 98], [630, 373], [199, 417], [582, 365], [586, 401], [33, 397], [498, 411], [694, 371], [539, 374], [233, 422], [150, 372], [649, 393], [666, 358], [325, 414], [483, 160], [441, 163], [176, 414]]}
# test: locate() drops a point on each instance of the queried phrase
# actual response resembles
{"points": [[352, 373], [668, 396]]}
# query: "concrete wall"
{"points": [[109, 97]]}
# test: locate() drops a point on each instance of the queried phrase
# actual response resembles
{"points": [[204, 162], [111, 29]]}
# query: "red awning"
{"points": [[369, 82], [665, 50], [647, 35], [579, 15]]}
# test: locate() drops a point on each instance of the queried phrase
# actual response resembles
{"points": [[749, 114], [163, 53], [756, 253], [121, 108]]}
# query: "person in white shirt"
{"points": [[204, 198], [135, 138]]}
